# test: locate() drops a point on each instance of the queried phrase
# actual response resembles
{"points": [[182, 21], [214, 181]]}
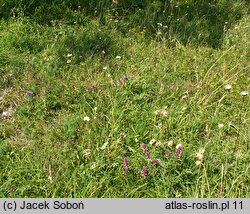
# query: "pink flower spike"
{"points": [[126, 162], [143, 146], [154, 161], [147, 154], [176, 155], [29, 93], [167, 152], [124, 169], [179, 148], [144, 171], [121, 81]]}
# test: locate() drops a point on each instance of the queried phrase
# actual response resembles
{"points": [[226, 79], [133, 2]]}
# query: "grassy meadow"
{"points": [[125, 98]]}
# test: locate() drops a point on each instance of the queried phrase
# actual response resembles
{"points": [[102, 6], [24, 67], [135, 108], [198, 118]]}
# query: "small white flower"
{"points": [[198, 162], [114, 164], [105, 68], [153, 141], [244, 93], [200, 154], [7, 113], [86, 118], [50, 179], [69, 61], [170, 143], [157, 112], [220, 125], [158, 126], [95, 108], [1, 98], [86, 152], [164, 113], [118, 57], [104, 145], [46, 58], [227, 87], [159, 33], [93, 166], [69, 55], [184, 97]]}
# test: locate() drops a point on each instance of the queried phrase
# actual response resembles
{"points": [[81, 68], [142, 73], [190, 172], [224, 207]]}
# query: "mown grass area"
{"points": [[83, 94]]}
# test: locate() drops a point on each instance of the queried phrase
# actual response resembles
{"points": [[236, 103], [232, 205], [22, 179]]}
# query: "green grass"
{"points": [[47, 149]]}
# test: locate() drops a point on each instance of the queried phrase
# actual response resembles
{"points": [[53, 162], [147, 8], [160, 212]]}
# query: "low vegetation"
{"points": [[125, 99]]}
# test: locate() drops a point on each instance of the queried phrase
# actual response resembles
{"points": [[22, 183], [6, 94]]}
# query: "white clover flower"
{"points": [[227, 87], [151, 142], [159, 33], [86, 152], [220, 125], [69, 55], [93, 166], [50, 179], [86, 118], [158, 126], [46, 58], [105, 68], [69, 61], [198, 162], [200, 154], [157, 112], [7, 113], [118, 57], [244, 93], [164, 113], [170, 143]]}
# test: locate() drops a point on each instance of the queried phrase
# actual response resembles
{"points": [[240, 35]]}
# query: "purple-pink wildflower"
{"points": [[143, 146], [92, 87], [126, 162], [147, 154], [144, 171], [176, 155], [121, 81], [154, 161], [124, 169], [179, 148], [172, 85], [167, 152], [29, 93]]}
